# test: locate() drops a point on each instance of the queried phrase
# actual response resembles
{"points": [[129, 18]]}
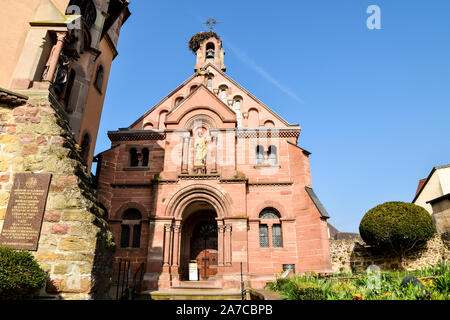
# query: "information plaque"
{"points": [[26, 206]]}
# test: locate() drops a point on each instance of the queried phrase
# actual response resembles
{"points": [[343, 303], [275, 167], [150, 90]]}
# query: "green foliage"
{"points": [[442, 283], [20, 275], [197, 39], [399, 226], [436, 281], [296, 288]]}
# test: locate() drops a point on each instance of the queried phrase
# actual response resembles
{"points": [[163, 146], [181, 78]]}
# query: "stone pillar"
{"points": [[185, 154], [220, 245], [167, 245], [214, 168], [176, 244], [56, 52], [228, 247]]}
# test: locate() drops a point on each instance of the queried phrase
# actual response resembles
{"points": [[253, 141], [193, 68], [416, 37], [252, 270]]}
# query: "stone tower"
{"points": [[207, 46], [56, 56], [66, 47]]}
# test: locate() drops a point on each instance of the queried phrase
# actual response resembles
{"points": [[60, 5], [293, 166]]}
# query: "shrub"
{"points": [[20, 275], [299, 290], [399, 226]]}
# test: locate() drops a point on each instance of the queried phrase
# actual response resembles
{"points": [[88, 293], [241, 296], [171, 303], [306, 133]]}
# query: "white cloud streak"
{"points": [[252, 64]]}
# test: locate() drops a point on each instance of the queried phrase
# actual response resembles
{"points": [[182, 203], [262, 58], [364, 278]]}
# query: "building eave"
{"points": [[323, 212], [11, 98]]}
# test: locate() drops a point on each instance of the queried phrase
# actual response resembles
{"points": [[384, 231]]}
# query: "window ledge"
{"points": [[135, 168], [260, 166]]}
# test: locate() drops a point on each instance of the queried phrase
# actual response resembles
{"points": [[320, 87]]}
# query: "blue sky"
{"points": [[374, 105]]}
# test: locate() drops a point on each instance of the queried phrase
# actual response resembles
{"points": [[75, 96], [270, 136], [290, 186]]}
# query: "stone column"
{"points": [[185, 154], [167, 244], [176, 244], [228, 247], [214, 168], [175, 267], [56, 52], [220, 245]]}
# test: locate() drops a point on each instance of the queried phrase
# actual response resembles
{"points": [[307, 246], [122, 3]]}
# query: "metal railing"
{"points": [[128, 284]]}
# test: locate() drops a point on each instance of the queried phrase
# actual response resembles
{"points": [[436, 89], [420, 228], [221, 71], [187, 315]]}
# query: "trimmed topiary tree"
{"points": [[21, 277], [398, 226]]}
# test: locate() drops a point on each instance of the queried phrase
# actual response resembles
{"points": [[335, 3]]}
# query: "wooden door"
{"points": [[204, 249]]}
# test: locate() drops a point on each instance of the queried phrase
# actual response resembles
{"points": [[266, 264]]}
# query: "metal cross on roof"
{"points": [[211, 23]]}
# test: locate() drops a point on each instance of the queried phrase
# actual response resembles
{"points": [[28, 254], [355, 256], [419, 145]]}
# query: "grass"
{"points": [[384, 286]]}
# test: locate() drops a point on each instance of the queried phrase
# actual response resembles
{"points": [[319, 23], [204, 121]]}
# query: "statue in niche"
{"points": [[200, 148]]}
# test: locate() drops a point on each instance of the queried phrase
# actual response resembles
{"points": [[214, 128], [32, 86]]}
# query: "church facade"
{"points": [[211, 175]]}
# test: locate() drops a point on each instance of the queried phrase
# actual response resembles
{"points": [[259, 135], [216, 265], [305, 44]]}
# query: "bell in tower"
{"points": [[210, 50]]}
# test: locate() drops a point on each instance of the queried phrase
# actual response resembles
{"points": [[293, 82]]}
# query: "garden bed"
{"points": [[431, 283]]}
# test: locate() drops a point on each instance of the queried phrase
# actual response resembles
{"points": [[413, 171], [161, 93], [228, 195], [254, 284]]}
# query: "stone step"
{"points": [[190, 294], [198, 284]]}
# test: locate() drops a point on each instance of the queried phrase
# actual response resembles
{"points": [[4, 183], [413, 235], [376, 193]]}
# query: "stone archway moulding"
{"points": [[199, 192], [131, 205]]}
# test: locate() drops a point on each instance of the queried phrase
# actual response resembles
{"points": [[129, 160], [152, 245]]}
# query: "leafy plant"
{"points": [[442, 283], [21, 277], [387, 287], [398, 226]]}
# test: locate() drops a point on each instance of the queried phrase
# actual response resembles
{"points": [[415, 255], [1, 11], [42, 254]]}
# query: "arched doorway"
{"points": [[199, 240], [204, 249]]}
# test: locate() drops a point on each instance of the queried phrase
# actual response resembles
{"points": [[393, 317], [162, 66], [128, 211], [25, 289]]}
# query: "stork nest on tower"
{"points": [[197, 39]]}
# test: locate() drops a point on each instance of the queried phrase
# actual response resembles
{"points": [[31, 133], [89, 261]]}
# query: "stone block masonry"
{"points": [[355, 257], [75, 246]]}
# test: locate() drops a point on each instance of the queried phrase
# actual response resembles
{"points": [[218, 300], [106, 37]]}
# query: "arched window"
{"points": [[85, 148], [192, 88], [131, 229], [87, 8], [253, 118], [134, 158], [209, 83], [259, 155], [162, 120], [237, 104], [145, 157], [210, 50], [178, 100], [269, 123], [270, 223], [148, 126], [223, 93], [272, 156], [99, 78]]}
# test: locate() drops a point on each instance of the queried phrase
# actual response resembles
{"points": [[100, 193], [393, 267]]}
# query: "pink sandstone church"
{"points": [[212, 175]]}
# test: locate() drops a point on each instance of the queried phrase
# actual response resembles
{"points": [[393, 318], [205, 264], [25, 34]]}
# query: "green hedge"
{"points": [[21, 277]]}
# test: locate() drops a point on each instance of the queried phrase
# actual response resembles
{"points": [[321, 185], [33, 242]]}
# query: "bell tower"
{"points": [[207, 46]]}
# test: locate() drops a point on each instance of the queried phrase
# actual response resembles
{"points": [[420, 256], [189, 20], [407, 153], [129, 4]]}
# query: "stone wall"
{"points": [[75, 246], [355, 257]]}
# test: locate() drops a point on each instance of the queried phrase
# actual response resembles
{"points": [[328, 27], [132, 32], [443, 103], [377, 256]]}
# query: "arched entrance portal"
{"points": [[199, 240]]}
